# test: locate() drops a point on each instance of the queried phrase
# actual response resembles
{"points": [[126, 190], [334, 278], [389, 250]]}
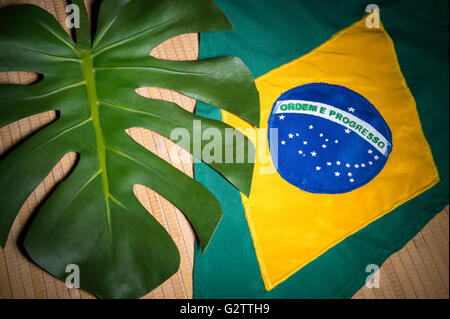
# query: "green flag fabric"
{"points": [[269, 34]]}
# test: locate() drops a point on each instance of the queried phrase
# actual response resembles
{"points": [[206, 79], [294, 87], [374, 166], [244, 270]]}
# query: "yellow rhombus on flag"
{"points": [[347, 168]]}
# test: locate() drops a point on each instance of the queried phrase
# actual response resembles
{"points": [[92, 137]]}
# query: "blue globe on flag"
{"points": [[326, 138]]}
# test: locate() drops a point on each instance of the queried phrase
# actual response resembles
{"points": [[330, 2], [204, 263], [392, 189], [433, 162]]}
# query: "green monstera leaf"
{"points": [[93, 219]]}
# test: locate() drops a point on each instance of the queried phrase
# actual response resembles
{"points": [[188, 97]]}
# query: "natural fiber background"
{"points": [[419, 270]]}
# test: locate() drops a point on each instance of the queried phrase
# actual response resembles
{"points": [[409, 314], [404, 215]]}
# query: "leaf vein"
{"points": [[57, 90], [131, 37], [61, 39], [62, 133], [109, 25], [82, 188]]}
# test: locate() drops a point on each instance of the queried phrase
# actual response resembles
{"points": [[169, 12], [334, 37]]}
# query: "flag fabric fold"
{"points": [[347, 148]]}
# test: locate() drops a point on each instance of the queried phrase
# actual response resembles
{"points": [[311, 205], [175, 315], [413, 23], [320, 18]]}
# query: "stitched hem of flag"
{"points": [[270, 284]]}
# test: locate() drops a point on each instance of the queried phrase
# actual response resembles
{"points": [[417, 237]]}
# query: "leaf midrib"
{"points": [[89, 77]]}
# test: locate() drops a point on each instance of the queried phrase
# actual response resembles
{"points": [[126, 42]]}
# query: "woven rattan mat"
{"points": [[419, 270]]}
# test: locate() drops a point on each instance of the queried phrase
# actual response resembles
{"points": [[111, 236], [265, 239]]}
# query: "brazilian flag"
{"points": [[352, 149]]}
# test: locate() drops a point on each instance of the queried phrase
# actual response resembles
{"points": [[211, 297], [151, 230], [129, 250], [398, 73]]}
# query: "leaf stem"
{"points": [[89, 76], [83, 33]]}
